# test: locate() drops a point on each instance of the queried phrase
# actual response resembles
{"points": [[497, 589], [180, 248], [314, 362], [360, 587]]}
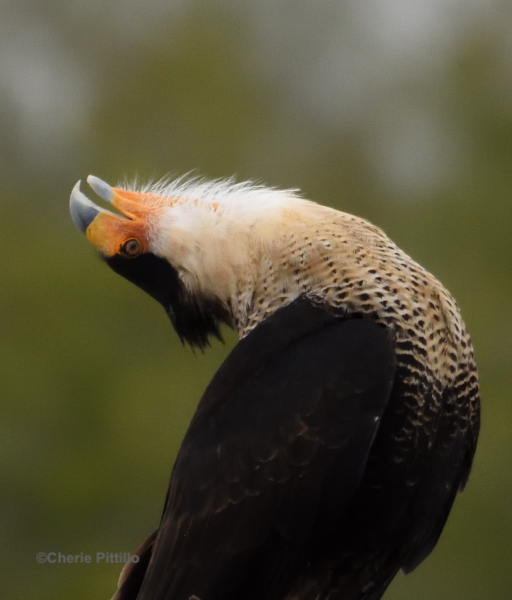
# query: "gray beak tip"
{"points": [[102, 188], [82, 210]]}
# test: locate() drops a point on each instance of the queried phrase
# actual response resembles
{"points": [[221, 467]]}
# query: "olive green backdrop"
{"points": [[398, 112]]}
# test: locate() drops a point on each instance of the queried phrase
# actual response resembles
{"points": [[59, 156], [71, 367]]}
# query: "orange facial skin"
{"points": [[108, 233]]}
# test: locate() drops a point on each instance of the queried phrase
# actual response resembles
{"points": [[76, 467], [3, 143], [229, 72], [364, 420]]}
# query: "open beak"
{"points": [[84, 211], [108, 230]]}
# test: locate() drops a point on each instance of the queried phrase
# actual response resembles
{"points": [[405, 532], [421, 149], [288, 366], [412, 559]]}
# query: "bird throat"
{"points": [[194, 319]]}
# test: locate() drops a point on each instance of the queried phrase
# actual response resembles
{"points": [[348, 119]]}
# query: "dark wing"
{"points": [[275, 450]]}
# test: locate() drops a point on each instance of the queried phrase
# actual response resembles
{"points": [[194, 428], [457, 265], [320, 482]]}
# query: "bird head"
{"points": [[145, 243], [204, 250]]}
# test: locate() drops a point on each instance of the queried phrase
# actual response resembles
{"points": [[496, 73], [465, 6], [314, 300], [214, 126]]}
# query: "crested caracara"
{"points": [[327, 451]]}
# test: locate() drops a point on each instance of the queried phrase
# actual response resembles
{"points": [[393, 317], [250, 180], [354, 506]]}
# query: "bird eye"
{"points": [[131, 248]]}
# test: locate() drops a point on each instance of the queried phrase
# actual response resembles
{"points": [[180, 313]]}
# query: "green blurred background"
{"points": [[400, 112]]}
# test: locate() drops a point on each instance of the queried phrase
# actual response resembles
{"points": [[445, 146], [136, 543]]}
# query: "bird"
{"points": [[327, 451]]}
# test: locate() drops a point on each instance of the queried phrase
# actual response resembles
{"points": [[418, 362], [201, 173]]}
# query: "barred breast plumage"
{"points": [[350, 266]]}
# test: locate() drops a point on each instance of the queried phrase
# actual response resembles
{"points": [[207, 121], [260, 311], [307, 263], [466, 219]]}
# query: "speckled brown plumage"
{"points": [[345, 264], [348, 265]]}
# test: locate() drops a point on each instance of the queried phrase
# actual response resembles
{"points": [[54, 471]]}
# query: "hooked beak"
{"points": [[84, 211]]}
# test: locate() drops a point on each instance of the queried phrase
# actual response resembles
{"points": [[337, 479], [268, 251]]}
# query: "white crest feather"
{"points": [[221, 191]]}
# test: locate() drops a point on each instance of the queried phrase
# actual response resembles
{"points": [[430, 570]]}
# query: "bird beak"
{"points": [[108, 230], [84, 211]]}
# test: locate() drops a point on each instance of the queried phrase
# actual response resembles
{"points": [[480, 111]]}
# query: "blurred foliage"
{"points": [[97, 390]]}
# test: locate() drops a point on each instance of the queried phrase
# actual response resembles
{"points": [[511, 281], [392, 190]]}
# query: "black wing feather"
{"points": [[277, 446]]}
